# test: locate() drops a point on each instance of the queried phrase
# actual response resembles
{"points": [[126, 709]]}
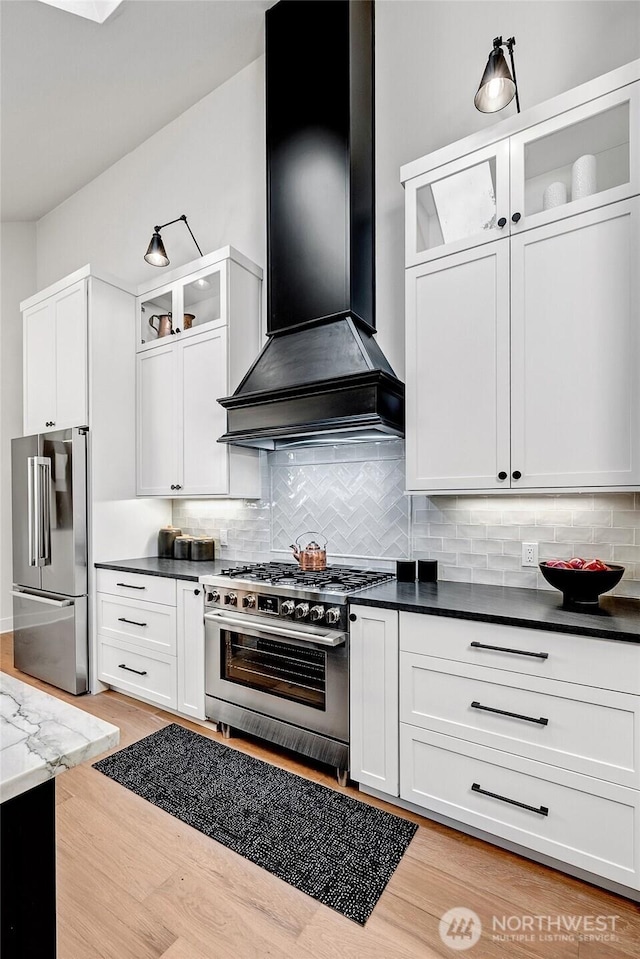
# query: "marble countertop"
{"points": [[617, 618], [41, 736]]}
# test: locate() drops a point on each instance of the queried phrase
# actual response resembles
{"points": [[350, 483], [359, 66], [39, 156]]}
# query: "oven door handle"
{"points": [[323, 639]]}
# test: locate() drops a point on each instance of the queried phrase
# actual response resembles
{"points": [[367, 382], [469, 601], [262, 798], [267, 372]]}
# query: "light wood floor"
{"points": [[135, 883]]}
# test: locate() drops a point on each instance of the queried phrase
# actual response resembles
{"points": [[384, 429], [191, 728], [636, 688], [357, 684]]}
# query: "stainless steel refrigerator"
{"points": [[49, 515]]}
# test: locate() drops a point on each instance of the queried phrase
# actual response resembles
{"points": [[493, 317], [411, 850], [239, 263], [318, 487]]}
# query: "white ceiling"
{"points": [[75, 96]]}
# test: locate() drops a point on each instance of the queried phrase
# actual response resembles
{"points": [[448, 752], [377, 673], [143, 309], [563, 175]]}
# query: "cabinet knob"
{"points": [[352, 617], [516, 474], [172, 486], [177, 486], [502, 475], [178, 330], [502, 221], [516, 217], [196, 592]]}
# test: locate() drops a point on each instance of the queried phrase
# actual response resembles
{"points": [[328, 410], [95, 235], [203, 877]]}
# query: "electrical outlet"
{"points": [[224, 537], [529, 554]]}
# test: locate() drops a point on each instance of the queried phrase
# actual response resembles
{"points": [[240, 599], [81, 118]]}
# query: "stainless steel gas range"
{"points": [[277, 654]]}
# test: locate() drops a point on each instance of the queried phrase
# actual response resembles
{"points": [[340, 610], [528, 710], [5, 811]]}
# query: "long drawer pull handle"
{"points": [[129, 586], [138, 672], [505, 712], [121, 619], [506, 649], [541, 810]]}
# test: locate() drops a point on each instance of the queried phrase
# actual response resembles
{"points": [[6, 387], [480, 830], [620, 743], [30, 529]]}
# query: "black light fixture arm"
{"points": [[509, 44], [177, 220]]}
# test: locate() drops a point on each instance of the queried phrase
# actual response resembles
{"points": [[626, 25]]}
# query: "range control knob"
{"points": [[287, 608], [316, 614], [333, 615], [248, 602], [213, 596], [231, 599], [302, 610]]}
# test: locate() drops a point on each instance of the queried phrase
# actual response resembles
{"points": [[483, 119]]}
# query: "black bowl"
{"points": [[582, 587]]}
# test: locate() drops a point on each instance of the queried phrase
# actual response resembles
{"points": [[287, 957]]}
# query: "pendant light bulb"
{"points": [[497, 87], [156, 254]]}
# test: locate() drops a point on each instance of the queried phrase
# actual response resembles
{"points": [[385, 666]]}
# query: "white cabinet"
{"points": [[575, 351], [55, 361], [374, 698], [190, 649], [151, 639], [531, 737], [181, 375], [457, 349], [522, 352], [500, 188], [157, 434]]}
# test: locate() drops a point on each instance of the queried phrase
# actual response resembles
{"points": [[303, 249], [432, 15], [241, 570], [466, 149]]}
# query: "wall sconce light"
{"points": [[156, 254], [498, 87]]}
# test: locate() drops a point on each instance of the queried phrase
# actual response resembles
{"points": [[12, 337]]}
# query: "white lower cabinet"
{"points": [[589, 730], [374, 698], [152, 649], [146, 675], [527, 735], [190, 649], [588, 823]]}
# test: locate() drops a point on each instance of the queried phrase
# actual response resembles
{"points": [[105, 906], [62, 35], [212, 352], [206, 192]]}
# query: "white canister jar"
{"points": [[554, 195], [583, 177]]}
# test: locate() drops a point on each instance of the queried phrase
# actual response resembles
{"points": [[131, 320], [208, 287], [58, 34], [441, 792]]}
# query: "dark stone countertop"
{"points": [[617, 618], [171, 568]]}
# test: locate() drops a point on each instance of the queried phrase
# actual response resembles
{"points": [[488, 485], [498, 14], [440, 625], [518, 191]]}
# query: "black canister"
{"points": [[428, 570], [182, 547], [166, 538], [405, 570], [202, 549]]}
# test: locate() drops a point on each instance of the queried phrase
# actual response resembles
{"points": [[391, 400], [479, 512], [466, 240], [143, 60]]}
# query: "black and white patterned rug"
{"points": [[336, 849]]}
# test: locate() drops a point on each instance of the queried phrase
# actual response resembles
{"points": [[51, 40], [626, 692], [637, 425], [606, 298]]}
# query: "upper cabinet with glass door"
{"points": [[576, 152], [190, 299], [577, 161], [457, 206]]}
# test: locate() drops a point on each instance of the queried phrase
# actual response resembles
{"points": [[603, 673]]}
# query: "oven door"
{"points": [[300, 676]]}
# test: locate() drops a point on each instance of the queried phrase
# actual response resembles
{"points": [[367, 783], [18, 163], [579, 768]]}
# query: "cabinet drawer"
{"points": [[147, 675], [588, 823], [589, 661], [151, 589], [589, 730], [148, 625]]}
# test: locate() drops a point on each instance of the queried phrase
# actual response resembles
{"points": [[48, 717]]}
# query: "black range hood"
{"points": [[321, 378]]}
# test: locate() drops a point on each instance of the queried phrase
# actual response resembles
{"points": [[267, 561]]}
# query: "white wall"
{"points": [[209, 164], [429, 60], [17, 281]]}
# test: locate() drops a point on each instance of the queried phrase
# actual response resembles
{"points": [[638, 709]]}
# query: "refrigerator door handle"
{"points": [[21, 594], [32, 517], [44, 507]]}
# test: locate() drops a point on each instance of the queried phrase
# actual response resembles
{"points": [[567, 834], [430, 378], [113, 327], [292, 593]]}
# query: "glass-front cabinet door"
{"points": [[204, 299], [189, 305], [576, 161], [155, 316], [459, 205]]}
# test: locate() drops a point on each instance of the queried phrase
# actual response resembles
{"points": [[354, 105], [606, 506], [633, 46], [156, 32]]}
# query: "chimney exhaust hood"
{"points": [[321, 377]]}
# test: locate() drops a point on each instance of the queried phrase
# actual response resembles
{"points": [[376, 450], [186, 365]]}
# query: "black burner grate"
{"points": [[343, 578]]}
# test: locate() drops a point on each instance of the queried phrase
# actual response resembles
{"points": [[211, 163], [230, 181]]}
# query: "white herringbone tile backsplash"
{"points": [[354, 495]]}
